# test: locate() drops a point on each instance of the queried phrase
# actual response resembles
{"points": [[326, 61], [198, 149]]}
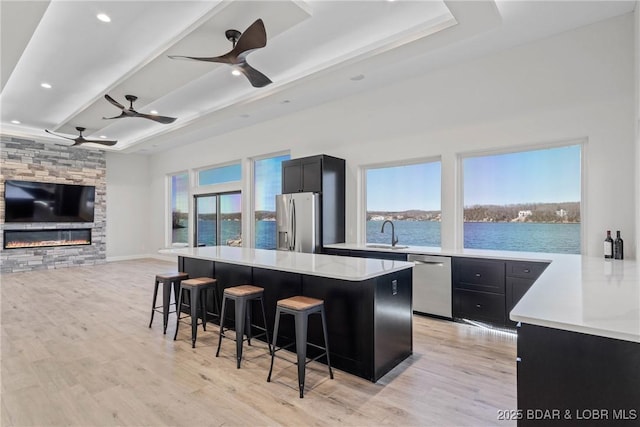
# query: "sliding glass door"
{"points": [[218, 219]]}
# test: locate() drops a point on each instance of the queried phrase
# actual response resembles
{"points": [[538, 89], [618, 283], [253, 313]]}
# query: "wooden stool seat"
{"points": [[168, 279], [197, 288], [199, 281], [243, 290], [242, 296], [300, 303], [172, 275]]}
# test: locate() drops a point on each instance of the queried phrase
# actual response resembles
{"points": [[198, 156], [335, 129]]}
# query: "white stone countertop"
{"points": [[343, 268], [577, 293]]}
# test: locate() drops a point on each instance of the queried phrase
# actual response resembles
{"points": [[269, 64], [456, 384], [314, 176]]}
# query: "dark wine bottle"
{"points": [[608, 246], [618, 252]]}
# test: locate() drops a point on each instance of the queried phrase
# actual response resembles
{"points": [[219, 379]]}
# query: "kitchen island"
{"points": [[367, 301]]}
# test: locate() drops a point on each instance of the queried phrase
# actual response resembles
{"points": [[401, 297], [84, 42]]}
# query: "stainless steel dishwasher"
{"points": [[431, 284]]}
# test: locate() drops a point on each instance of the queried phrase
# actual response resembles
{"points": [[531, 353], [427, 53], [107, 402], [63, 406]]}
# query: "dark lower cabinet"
{"points": [[475, 305], [568, 378]]}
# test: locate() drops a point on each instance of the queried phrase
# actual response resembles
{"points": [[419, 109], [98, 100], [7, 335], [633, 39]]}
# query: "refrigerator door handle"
{"points": [[293, 225]]}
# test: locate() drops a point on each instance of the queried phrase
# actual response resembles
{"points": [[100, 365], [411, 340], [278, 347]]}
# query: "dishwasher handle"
{"points": [[439, 263], [429, 260]]}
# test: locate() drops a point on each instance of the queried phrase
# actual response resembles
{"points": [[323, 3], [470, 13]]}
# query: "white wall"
{"points": [[575, 86], [128, 209]]}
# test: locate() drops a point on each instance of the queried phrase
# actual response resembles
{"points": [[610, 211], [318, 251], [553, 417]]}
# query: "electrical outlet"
{"points": [[394, 287]]}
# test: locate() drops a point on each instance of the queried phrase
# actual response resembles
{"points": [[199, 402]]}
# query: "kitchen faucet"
{"points": [[394, 239]]}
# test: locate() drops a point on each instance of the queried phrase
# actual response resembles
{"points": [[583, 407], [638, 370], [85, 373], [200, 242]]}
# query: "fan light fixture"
{"points": [[236, 73]]}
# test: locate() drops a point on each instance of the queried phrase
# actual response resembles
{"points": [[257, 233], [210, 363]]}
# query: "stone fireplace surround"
{"points": [[30, 160]]}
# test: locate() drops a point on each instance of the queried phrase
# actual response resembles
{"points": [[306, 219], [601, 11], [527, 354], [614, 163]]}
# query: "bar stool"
{"points": [[167, 280], [197, 288], [242, 296], [301, 307]]}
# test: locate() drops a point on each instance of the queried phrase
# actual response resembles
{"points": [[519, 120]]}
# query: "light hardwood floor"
{"points": [[76, 351]]}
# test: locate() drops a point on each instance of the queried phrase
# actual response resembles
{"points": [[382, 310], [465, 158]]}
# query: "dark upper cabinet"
{"points": [[325, 175], [302, 175]]}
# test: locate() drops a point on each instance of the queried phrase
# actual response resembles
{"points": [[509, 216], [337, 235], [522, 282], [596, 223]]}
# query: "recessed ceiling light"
{"points": [[15, 122], [358, 77], [245, 116], [103, 136], [236, 72], [153, 112], [103, 17], [45, 85], [286, 101]]}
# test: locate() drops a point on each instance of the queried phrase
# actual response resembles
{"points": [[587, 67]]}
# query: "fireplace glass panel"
{"points": [[15, 239]]}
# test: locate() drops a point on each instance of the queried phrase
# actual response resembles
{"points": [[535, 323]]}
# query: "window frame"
{"points": [[361, 233], [511, 149], [235, 183], [169, 209], [251, 182]]}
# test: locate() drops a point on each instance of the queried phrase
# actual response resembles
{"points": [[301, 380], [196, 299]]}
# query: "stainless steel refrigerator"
{"points": [[298, 222]]}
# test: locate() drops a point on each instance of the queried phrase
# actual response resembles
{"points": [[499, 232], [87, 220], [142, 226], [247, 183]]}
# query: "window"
{"points": [[267, 184], [524, 201], [179, 208], [220, 175], [218, 219], [408, 195]]}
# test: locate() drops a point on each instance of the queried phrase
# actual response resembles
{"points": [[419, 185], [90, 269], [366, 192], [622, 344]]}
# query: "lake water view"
{"points": [[510, 236]]}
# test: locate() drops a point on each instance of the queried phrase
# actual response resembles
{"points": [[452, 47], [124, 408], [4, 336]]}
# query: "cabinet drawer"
{"points": [[475, 305], [525, 269], [479, 275]]}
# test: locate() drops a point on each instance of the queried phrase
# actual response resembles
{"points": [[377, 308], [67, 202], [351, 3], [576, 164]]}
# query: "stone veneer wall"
{"points": [[29, 160]]}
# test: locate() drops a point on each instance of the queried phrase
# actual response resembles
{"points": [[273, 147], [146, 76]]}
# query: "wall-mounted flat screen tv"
{"points": [[27, 201]]}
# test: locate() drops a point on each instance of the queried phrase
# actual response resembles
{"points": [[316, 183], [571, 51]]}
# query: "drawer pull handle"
{"points": [[518, 359], [526, 270], [477, 274]]}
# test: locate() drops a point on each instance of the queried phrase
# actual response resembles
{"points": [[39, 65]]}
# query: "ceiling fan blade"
{"points": [[160, 119], [253, 37], [225, 59], [58, 135], [121, 115], [114, 102], [256, 78], [106, 142]]}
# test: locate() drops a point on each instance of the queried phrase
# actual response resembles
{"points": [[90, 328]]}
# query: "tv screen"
{"points": [[26, 201]]}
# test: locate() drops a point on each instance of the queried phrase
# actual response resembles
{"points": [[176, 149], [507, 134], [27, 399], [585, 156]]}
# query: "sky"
{"points": [[268, 182], [540, 176], [401, 188], [536, 176]]}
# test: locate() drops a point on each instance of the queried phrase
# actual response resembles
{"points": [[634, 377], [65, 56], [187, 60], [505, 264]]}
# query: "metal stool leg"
{"points": [[203, 307], [266, 328], [178, 310], [275, 338], [247, 325], [166, 297], [194, 299], [241, 306], [301, 347], [326, 340], [153, 304], [222, 313]]}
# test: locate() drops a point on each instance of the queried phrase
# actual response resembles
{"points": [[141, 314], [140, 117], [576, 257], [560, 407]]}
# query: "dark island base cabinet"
{"points": [[568, 378], [369, 322]]}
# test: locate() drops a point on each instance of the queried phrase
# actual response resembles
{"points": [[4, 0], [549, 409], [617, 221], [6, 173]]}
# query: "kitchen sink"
{"points": [[383, 246]]}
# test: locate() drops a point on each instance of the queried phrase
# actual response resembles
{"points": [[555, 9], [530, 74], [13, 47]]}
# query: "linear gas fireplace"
{"points": [[16, 239]]}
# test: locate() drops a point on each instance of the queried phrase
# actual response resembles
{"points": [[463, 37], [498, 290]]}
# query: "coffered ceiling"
{"points": [[316, 51]]}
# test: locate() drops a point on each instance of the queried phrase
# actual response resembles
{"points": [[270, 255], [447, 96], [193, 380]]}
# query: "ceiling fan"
{"points": [[130, 112], [254, 37], [82, 140]]}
